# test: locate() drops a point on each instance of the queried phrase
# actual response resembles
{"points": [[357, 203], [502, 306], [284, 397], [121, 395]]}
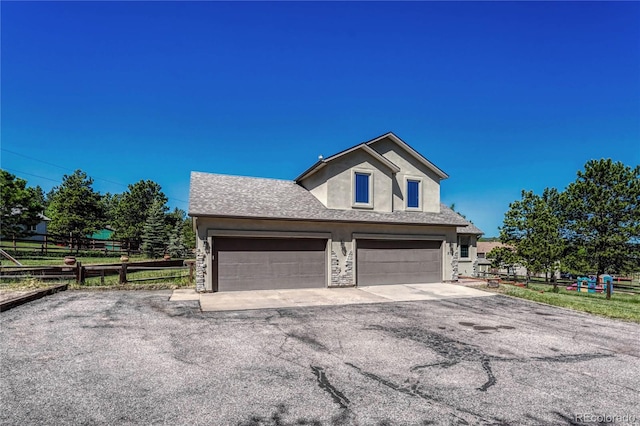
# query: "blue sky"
{"points": [[502, 96]]}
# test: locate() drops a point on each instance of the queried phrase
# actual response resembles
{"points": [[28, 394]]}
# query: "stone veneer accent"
{"points": [[201, 270], [475, 267], [454, 263], [340, 277]]}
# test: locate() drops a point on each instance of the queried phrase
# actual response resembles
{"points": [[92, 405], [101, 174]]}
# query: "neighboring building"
{"points": [[467, 250], [101, 240], [484, 248], [39, 230], [369, 215], [102, 234]]}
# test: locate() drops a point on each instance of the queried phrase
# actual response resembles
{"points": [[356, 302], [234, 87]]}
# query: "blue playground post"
{"points": [[606, 281]]}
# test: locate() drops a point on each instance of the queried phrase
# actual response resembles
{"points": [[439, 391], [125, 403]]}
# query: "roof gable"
{"points": [[415, 154], [367, 147], [363, 146]]}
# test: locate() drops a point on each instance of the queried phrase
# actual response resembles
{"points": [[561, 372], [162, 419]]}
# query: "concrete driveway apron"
{"points": [[291, 298]]}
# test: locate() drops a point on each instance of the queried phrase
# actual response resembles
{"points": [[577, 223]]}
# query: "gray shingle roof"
{"points": [[470, 229], [216, 195]]}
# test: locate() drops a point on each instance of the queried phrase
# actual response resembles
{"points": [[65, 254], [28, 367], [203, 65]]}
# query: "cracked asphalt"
{"points": [[118, 358]]}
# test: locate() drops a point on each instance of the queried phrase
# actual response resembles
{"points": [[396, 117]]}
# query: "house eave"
{"points": [[311, 170], [319, 220]]}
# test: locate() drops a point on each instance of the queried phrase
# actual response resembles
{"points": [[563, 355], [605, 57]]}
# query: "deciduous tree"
{"points": [[20, 206], [533, 227], [503, 257]]}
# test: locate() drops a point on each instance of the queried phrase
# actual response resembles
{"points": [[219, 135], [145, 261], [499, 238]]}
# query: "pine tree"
{"points": [[132, 208], [603, 216], [176, 246], [154, 235], [75, 208]]}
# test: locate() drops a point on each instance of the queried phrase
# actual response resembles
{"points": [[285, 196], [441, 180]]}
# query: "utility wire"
{"points": [[58, 166], [63, 168], [31, 174]]}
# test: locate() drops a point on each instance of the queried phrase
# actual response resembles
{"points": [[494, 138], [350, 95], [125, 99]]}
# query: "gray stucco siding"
{"points": [[340, 182], [410, 167]]}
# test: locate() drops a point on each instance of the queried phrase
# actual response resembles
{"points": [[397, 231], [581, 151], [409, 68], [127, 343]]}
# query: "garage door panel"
{"points": [[399, 244], [269, 263], [381, 262]]}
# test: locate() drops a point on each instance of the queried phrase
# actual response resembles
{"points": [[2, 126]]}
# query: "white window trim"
{"points": [[406, 193], [368, 205]]}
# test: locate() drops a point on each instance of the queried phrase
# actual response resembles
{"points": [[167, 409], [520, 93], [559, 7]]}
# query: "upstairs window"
{"points": [[362, 189], [413, 194], [464, 247]]}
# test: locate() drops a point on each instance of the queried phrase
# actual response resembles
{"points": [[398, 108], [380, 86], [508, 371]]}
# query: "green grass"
{"points": [[620, 306]]}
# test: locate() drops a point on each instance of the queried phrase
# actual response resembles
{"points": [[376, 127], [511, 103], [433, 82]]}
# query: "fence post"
{"points": [[123, 274], [191, 266], [102, 277], [79, 272]]}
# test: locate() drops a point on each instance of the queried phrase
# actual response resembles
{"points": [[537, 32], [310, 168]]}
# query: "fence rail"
{"points": [[47, 244], [80, 273], [623, 284]]}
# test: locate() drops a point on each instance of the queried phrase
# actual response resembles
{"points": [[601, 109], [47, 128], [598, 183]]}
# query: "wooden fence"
{"points": [[623, 284], [80, 273], [50, 244]]}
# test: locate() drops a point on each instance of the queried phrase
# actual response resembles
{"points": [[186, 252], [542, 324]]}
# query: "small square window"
{"points": [[413, 194], [362, 188], [33, 228]]}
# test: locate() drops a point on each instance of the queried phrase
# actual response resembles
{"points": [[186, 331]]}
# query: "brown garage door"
{"points": [[269, 263], [382, 262]]}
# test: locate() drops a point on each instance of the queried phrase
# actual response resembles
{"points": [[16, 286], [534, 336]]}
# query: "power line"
{"points": [[31, 174], [63, 168], [57, 165], [34, 159]]}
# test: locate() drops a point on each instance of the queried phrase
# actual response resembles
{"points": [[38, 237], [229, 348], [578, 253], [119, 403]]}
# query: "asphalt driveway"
{"points": [[137, 358]]}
